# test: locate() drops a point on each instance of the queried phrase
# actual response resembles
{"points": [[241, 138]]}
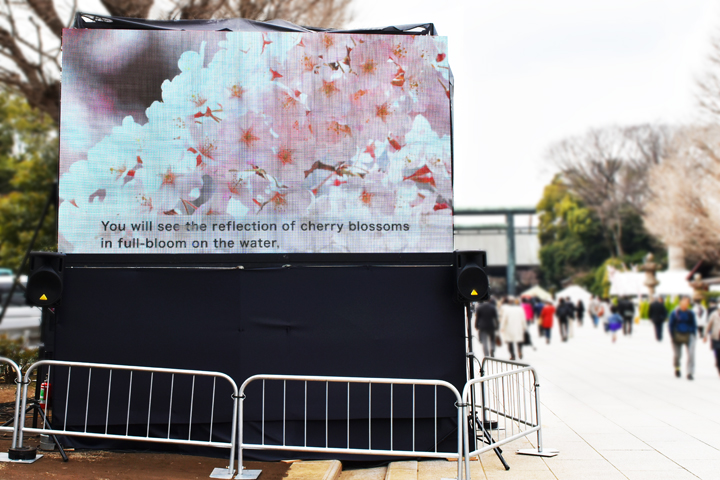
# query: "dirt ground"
{"points": [[105, 465]]}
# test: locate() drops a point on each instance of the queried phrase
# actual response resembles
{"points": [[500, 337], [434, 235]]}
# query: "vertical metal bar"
{"points": [[172, 388], [127, 419], [107, 410], [510, 232], [47, 399], [262, 423], [459, 402], [348, 414], [466, 444], [87, 399], [192, 402], [18, 400], [240, 402], [212, 409], [67, 399], [504, 403], [327, 401], [236, 422], [305, 418], [152, 375], [284, 407], [391, 416], [537, 412], [369, 416], [413, 418], [19, 425], [525, 398], [436, 442]]}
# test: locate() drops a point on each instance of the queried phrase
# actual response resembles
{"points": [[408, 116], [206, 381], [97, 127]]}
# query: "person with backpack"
{"points": [[658, 314], [614, 322], [683, 331], [713, 332], [564, 312], [701, 316], [626, 310], [486, 321], [546, 320]]}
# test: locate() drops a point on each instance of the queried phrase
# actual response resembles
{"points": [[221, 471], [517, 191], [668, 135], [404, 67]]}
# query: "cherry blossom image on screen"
{"points": [[228, 142]]}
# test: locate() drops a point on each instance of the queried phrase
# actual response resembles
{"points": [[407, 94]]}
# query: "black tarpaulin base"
{"points": [[369, 321]]}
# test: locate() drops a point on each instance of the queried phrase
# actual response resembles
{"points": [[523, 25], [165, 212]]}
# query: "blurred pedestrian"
{"points": [[626, 310], [683, 330], [712, 330], [564, 313], [580, 311], [701, 316], [658, 314], [486, 321], [594, 309], [537, 307], [512, 326], [546, 320], [614, 322], [528, 309]]}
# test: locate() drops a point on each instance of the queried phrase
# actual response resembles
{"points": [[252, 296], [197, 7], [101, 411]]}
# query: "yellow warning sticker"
{"points": [[43, 297], [474, 292]]}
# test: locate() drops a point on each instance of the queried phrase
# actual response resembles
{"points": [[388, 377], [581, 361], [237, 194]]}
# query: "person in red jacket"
{"points": [[547, 316]]}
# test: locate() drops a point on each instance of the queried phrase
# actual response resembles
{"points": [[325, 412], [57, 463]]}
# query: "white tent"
{"points": [[575, 293], [539, 292], [672, 282]]}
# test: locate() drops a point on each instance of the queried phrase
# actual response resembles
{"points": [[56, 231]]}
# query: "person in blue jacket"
{"points": [[683, 331]]}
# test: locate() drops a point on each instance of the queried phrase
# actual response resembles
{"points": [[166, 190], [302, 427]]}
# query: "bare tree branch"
{"points": [[45, 11], [38, 80], [607, 169], [128, 8]]}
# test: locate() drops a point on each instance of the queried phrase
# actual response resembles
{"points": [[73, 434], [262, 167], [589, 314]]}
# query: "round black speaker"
{"points": [[44, 287], [472, 282]]}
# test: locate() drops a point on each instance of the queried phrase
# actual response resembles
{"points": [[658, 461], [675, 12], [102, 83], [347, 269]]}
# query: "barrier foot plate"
{"points": [[546, 452], [4, 458], [249, 474], [222, 473]]}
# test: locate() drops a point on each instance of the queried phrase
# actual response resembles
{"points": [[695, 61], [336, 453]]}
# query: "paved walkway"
{"points": [[617, 411]]}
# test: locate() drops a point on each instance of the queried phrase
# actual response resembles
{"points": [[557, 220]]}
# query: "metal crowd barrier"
{"points": [[124, 415], [288, 408], [16, 414], [503, 405]]}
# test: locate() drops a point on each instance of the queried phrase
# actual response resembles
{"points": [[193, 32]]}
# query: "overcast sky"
{"points": [[529, 73]]}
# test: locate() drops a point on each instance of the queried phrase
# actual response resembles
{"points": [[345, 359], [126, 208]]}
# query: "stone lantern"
{"points": [[650, 268], [699, 288]]}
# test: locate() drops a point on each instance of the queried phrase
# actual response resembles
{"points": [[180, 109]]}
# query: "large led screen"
{"points": [[228, 142]]}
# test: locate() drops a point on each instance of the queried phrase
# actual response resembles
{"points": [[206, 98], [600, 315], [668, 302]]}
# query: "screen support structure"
{"points": [[479, 427], [51, 200]]}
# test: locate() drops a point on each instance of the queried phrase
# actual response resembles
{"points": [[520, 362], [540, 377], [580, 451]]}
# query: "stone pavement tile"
{"points": [[513, 474], [705, 469], [576, 450], [686, 450], [435, 470], [635, 418], [364, 474], [402, 470], [580, 467], [711, 438], [643, 460], [662, 434], [661, 475], [609, 441], [586, 475]]}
